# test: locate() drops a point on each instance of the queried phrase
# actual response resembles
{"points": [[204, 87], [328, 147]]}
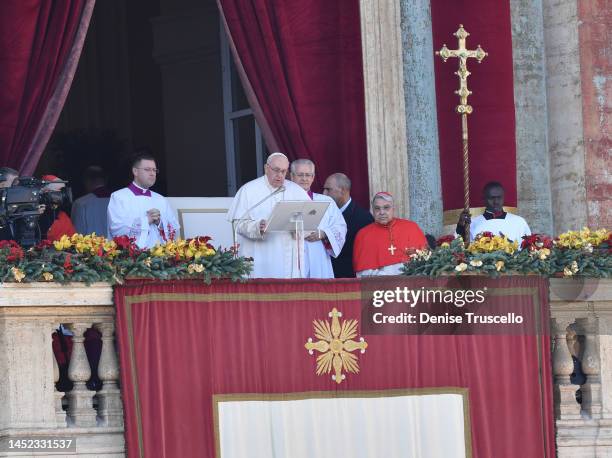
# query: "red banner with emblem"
{"points": [[186, 345]]}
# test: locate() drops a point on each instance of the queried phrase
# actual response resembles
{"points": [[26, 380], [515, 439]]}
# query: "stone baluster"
{"points": [[60, 415], [591, 366], [110, 408], [566, 406], [80, 400]]}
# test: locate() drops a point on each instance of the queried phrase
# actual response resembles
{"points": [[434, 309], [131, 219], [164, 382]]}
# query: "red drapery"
{"points": [[303, 63], [40, 42], [183, 342], [492, 125]]}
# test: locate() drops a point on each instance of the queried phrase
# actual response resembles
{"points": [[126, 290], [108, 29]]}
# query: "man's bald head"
{"points": [[338, 187]]}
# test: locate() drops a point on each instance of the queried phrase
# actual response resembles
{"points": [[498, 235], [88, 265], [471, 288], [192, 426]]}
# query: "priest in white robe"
{"points": [[275, 254], [328, 240], [140, 213]]}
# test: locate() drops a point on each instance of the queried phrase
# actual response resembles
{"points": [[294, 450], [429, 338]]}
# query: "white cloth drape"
{"points": [[419, 426]]}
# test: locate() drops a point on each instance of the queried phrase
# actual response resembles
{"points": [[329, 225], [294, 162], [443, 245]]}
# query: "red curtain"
{"points": [[303, 62], [37, 39], [492, 125], [183, 342]]}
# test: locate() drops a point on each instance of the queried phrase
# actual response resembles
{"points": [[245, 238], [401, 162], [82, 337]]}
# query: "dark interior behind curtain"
{"points": [[303, 63], [40, 42]]}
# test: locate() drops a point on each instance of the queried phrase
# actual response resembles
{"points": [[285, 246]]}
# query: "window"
{"points": [[245, 149]]}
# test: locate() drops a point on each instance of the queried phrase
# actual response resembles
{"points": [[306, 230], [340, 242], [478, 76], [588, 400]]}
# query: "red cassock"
{"points": [[377, 246], [61, 226]]}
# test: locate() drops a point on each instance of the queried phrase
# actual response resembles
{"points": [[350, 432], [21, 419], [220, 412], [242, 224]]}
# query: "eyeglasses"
{"points": [[148, 169], [277, 171], [304, 175]]}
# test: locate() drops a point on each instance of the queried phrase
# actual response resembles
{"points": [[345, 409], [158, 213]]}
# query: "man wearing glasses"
{"points": [[328, 240], [274, 253], [140, 213]]}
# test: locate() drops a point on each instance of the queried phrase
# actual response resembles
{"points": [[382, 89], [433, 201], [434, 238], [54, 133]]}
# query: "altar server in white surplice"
{"points": [[140, 213], [494, 219], [328, 241], [275, 254]]}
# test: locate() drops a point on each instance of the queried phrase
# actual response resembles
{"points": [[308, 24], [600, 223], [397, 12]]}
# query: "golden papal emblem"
{"points": [[335, 345]]}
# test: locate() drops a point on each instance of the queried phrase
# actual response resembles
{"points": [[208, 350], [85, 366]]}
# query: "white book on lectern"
{"points": [[284, 214]]}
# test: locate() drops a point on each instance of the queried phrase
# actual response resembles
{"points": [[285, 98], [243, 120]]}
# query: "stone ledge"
{"points": [[55, 294]]}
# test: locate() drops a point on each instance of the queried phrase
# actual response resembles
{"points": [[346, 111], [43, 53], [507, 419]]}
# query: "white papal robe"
{"points": [[318, 254], [127, 215], [275, 254]]}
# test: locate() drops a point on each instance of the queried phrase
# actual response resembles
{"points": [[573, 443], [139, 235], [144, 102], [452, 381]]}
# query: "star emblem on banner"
{"points": [[336, 345]]}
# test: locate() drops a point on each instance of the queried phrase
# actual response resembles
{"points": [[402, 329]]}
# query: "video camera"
{"points": [[20, 207]]}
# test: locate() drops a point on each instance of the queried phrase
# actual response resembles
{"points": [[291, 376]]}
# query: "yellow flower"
{"points": [[48, 276], [568, 272], [489, 244], [192, 268], [18, 274], [63, 243], [499, 265], [461, 267], [157, 251], [476, 262], [445, 245]]}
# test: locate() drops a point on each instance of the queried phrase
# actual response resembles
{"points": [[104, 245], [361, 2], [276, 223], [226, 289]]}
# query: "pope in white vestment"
{"points": [[319, 252], [275, 254]]}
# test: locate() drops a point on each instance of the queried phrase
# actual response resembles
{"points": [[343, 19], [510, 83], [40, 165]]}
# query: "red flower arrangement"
{"points": [[445, 239], [535, 242]]}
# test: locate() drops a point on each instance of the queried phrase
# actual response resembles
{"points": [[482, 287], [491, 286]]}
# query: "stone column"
{"points": [[110, 409], [565, 122], [424, 185], [384, 100], [80, 400], [566, 406], [595, 45], [591, 366], [532, 160]]}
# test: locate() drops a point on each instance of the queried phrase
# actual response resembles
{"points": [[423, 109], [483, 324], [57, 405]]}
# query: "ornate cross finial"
{"points": [[462, 53]]}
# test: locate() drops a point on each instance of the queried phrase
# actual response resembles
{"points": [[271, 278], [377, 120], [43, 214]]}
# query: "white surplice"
{"points": [[127, 215], [512, 226], [318, 255], [275, 254]]}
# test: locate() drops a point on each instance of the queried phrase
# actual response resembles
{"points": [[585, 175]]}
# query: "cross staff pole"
{"points": [[462, 53]]}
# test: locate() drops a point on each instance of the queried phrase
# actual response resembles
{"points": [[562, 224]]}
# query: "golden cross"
{"points": [[392, 249], [463, 54]]}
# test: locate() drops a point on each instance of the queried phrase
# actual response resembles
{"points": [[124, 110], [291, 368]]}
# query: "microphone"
{"points": [[244, 218]]}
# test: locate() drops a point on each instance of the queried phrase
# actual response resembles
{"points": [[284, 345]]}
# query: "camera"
{"points": [[20, 208]]}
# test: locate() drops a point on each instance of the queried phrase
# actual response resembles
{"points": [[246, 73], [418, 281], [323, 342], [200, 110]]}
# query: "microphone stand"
{"points": [[236, 221]]}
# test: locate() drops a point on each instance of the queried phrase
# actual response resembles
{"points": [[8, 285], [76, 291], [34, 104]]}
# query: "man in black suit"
{"points": [[338, 187]]}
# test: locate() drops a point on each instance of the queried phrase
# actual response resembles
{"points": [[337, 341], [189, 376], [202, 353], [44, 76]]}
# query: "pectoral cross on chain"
{"points": [[392, 250]]}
